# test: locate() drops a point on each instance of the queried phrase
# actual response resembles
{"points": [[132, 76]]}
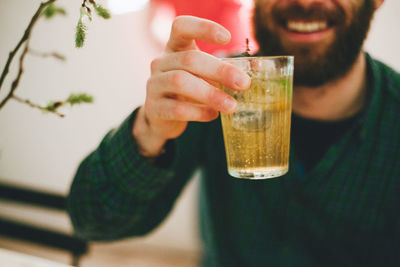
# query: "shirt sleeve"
{"points": [[118, 193]]}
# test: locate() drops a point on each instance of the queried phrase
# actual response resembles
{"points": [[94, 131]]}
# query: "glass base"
{"points": [[258, 173]]}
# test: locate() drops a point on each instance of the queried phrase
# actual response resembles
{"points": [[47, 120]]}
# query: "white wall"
{"points": [[384, 38], [43, 151]]}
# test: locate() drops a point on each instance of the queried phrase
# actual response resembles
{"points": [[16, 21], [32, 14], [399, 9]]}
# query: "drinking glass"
{"points": [[257, 134]]}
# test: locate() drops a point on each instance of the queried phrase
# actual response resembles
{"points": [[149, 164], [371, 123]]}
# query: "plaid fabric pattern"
{"points": [[110, 183], [344, 212]]}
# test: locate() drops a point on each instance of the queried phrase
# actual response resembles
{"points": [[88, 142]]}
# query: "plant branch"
{"points": [[44, 55], [33, 105], [48, 9], [26, 35], [15, 83]]}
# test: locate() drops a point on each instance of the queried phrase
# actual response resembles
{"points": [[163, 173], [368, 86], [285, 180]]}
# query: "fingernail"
{"points": [[242, 81], [222, 36], [229, 105]]}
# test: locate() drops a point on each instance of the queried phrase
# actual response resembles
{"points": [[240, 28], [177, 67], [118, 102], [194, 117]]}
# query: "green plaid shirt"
{"points": [[344, 212]]}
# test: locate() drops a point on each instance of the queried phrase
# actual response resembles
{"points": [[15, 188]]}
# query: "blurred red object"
{"points": [[232, 14]]}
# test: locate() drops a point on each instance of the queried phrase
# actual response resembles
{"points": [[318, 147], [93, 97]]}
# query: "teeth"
{"points": [[301, 26]]}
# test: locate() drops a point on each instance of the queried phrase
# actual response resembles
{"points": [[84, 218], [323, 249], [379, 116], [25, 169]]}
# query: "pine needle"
{"points": [[102, 12], [80, 34], [74, 99], [52, 10]]}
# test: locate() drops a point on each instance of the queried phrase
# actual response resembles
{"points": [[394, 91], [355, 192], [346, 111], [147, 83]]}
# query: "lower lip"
{"points": [[309, 37]]}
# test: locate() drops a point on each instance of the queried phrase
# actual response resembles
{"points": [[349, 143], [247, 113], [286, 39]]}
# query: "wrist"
{"points": [[149, 144]]}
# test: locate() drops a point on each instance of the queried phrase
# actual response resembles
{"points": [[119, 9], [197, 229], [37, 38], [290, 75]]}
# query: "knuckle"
{"points": [[177, 24], [227, 72], [189, 58], [149, 86], [222, 70], [148, 107], [154, 65], [177, 79], [204, 114], [179, 111], [215, 98], [209, 114], [211, 95]]}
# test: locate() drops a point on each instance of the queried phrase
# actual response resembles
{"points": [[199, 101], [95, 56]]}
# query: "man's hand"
{"points": [[181, 87]]}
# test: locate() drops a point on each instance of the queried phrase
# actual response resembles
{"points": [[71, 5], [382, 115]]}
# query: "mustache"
{"points": [[315, 11]]}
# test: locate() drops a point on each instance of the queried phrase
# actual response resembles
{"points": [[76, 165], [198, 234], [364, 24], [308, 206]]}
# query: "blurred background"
{"points": [[41, 152]]}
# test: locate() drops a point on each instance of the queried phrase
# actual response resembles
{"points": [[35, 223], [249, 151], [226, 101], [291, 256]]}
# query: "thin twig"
{"points": [[33, 105], [26, 35], [15, 83], [44, 55]]}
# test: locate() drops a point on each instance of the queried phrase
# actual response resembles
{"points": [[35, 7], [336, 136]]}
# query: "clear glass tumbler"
{"points": [[257, 135]]}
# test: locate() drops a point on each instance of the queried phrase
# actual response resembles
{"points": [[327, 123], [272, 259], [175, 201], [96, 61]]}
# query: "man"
{"points": [[337, 205]]}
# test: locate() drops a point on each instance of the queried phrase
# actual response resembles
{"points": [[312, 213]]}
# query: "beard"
{"points": [[315, 67]]}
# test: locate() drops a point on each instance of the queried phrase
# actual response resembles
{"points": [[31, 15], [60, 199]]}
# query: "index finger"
{"points": [[186, 29]]}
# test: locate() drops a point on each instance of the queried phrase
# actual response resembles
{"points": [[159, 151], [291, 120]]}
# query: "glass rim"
{"points": [[258, 57]]}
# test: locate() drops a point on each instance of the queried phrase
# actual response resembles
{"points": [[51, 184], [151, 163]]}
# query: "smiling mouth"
{"points": [[299, 26]]}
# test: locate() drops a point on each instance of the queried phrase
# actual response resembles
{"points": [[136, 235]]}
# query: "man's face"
{"points": [[325, 36]]}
